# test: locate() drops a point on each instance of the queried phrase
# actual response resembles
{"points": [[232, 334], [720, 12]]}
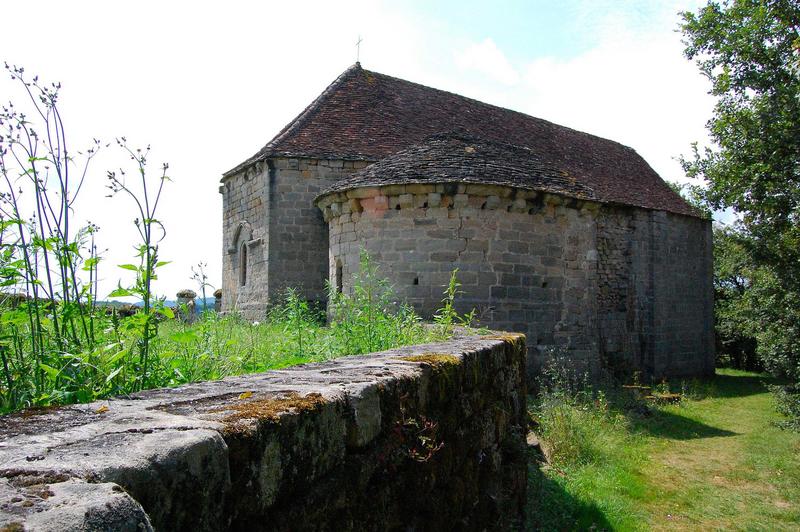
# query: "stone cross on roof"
{"points": [[358, 48]]}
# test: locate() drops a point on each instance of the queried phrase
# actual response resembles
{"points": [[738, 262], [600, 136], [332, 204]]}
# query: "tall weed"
{"points": [[369, 319], [447, 317], [577, 423]]}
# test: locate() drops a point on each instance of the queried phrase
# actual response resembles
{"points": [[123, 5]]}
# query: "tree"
{"points": [[733, 302], [750, 51]]}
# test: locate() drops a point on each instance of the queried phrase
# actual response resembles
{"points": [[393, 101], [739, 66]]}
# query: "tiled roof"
{"points": [[463, 158], [368, 116]]}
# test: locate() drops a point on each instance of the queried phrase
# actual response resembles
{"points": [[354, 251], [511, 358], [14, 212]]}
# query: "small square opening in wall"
{"points": [[416, 281]]}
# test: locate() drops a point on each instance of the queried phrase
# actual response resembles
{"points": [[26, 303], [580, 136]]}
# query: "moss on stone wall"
{"points": [[435, 360], [269, 409]]}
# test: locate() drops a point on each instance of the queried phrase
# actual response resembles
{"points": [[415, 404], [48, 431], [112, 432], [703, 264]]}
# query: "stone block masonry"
{"points": [[526, 261], [655, 293], [615, 287], [419, 438], [273, 236]]}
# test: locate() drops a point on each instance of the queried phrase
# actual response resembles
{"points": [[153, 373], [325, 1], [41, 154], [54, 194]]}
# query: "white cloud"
{"points": [[632, 83], [638, 91], [486, 58]]}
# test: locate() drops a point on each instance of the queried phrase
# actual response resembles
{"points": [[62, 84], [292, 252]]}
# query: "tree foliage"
{"points": [[733, 304], [750, 51]]}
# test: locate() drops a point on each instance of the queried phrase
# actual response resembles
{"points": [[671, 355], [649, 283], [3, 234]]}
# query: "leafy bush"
{"points": [[788, 399]]}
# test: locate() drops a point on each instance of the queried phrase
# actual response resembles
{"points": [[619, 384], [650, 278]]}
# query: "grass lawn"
{"points": [[714, 462]]}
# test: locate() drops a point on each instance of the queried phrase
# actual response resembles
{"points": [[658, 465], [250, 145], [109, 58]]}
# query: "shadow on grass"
{"points": [[670, 425], [725, 384], [551, 507], [728, 385]]}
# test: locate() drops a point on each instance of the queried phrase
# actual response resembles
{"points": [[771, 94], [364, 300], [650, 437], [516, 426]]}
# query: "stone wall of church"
{"points": [[298, 253], [526, 262], [655, 293], [622, 287], [683, 291], [245, 240], [286, 237], [625, 289]]}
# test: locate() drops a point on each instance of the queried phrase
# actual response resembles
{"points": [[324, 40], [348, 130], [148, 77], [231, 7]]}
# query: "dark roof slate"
{"points": [[365, 115], [462, 158]]}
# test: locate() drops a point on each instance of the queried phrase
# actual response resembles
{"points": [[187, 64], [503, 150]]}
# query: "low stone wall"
{"points": [[420, 438]]}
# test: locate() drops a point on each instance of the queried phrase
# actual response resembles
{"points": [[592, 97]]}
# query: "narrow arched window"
{"points": [[339, 282], [243, 264]]}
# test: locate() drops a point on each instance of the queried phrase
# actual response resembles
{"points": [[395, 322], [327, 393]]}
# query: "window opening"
{"points": [[339, 282], [243, 264]]}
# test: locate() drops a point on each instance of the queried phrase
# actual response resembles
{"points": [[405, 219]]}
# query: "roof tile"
{"points": [[365, 115], [462, 158]]}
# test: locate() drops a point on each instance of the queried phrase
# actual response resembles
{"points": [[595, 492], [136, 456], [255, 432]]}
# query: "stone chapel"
{"points": [[569, 238]]}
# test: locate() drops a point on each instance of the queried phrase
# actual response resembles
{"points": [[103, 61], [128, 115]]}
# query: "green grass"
{"points": [[40, 370], [714, 462], [211, 348], [217, 347]]}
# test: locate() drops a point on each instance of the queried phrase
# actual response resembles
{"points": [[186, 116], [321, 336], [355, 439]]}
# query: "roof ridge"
{"points": [[301, 118]]}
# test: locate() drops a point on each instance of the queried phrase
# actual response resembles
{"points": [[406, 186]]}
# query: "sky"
{"points": [[207, 84]]}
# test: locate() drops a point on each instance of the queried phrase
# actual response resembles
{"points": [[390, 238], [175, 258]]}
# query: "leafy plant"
{"points": [[447, 317], [43, 252], [369, 319], [297, 317], [151, 232], [201, 278]]}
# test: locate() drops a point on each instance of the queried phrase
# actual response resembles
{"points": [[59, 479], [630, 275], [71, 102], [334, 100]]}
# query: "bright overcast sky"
{"points": [[208, 84]]}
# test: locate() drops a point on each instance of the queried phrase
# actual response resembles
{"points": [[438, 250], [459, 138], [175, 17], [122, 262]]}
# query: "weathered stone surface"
{"points": [[286, 236], [68, 506], [602, 284], [655, 293], [413, 438]]}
